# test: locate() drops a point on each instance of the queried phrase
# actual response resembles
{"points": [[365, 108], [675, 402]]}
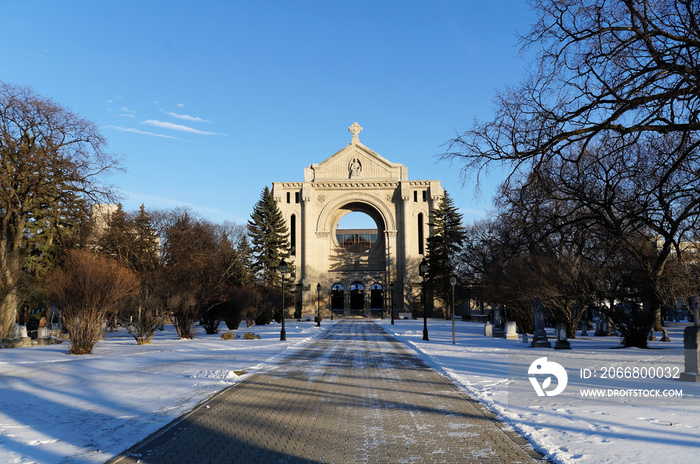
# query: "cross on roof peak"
{"points": [[355, 130]]}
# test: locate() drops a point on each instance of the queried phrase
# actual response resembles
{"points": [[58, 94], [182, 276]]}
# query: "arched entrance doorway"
{"points": [[338, 297], [377, 297], [357, 299]]}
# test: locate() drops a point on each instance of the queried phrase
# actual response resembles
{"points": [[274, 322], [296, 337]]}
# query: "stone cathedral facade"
{"points": [[357, 271]]}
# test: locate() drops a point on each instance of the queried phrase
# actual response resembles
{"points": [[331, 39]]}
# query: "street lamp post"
{"points": [[422, 270], [391, 297], [318, 304], [453, 282], [283, 271], [383, 298], [330, 301]]}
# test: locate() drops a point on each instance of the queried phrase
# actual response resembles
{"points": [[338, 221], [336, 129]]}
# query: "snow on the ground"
{"points": [[59, 408], [569, 428]]}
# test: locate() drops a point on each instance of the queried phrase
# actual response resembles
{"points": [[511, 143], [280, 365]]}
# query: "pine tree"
{"points": [[130, 239], [147, 242], [445, 241], [270, 239], [244, 259]]}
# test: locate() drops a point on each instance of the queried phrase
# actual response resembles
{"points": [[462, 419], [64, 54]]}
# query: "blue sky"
{"points": [[210, 101]]}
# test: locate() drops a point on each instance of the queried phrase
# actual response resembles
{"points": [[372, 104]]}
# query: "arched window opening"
{"points": [[420, 234], [293, 234]]}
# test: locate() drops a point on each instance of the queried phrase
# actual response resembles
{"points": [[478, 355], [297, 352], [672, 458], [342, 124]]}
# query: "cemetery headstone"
{"points": [[562, 338], [511, 330], [665, 337], [691, 347], [539, 338], [497, 322], [602, 329]]}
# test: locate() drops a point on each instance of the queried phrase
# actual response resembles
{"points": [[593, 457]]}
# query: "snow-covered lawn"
{"points": [[567, 427], [56, 408]]}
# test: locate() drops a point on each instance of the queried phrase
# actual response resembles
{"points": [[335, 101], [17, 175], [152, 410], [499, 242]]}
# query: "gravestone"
{"points": [[665, 337], [602, 329], [43, 337], [562, 338], [539, 338], [525, 340], [488, 329], [584, 327], [691, 347], [497, 322], [511, 330]]}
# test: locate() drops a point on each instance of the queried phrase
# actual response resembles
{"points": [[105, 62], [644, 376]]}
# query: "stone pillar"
{"points": [[304, 259], [539, 338]]}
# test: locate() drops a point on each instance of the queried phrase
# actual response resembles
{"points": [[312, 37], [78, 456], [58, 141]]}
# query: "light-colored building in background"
{"points": [[356, 268]]}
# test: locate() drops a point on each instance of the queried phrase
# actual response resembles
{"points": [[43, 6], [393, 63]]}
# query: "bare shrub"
{"points": [[243, 303], [144, 314], [230, 335], [88, 289]]}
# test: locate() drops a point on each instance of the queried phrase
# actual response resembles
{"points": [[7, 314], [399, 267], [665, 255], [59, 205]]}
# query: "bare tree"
{"points": [[198, 268], [621, 68], [610, 116], [87, 290], [131, 239], [144, 312], [50, 160]]}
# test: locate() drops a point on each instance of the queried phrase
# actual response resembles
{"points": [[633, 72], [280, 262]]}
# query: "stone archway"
{"points": [[356, 179]]}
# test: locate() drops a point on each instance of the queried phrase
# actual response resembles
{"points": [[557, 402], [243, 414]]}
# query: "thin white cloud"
{"points": [[126, 112], [185, 117], [177, 127], [180, 105], [136, 131]]}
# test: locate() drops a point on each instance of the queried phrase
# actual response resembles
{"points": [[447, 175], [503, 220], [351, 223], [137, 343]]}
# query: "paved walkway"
{"points": [[355, 395]]}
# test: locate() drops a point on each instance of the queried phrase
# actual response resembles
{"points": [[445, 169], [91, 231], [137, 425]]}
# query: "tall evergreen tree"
{"points": [[445, 241], [130, 239], [244, 258], [270, 239]]}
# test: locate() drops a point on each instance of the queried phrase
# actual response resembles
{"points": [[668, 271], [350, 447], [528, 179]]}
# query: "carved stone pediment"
{"points": [[355, 162]]}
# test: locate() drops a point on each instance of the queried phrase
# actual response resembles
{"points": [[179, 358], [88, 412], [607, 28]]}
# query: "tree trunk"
{"points": [[9, 298]]}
